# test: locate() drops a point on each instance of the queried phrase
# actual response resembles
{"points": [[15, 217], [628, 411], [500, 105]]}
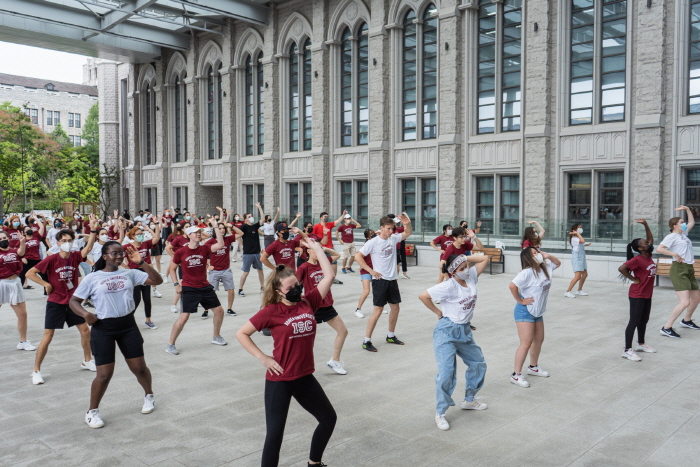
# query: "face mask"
{"points": [[464, 275], [104, 238], [294, 294], [249, 220], [449, 232], [152, 226], [208, 231], [76, 217], [15, 224], [396, 220], [238, 218], [31, 221], [373, 235], [650, 248], [75, 227], [139, 238], [309, 230], [579, 230], [4, 244], [65, 247], [29, 233], [684, 226], [167, 213], [285, 235], [539, 258], [536, 234], [59, 225], [188, 217]]}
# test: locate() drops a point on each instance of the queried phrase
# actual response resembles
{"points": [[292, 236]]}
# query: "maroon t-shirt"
{"points": [[167, 220], [293, 331], [528, 243], [86, 227], [32, 248], [10, 263], [453, 250], [220, 259], [368, 260], [193, 263], [178, 242], [14, 235], [443, 241], [399, 230], [643, 269], [144, 250], [60, 273], [283, 253], [310, 275], [346, 234]]}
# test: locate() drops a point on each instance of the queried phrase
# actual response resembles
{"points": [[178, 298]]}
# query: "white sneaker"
{"points": [[171, 350], [36, 378], [156, 293], [519, 380], [25, 345], [337, 367], [630, 355], [581, 292], [359, 314], [437, 302], [473, 405], [441, 422], [218, 340], [405, 276], [93, 419], [537, 371], [165, 278], [88, 365], [149, 404], [569, 295], [174, 309], [645, 348], [385, 311], [234, 260]]}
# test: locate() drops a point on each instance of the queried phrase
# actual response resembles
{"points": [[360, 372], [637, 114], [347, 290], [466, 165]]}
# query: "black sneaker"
{"points": [[336, 281], [669, 332], [88, 303], [205, 314], [690, 324], [266, 332], [473, 327], [320, 464], [393, 340], [241, 294], [230, 312], [368, 346]]}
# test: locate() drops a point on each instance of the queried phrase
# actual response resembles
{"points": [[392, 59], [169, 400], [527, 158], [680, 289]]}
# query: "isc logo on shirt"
{"points": [[303, 326], [115, 285], [194, 260]]}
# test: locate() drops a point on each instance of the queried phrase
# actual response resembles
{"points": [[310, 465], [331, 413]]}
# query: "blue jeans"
{"points": [[449, 341], [86, 268]]}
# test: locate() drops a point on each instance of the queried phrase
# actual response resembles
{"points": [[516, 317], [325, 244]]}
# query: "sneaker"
{"points": [[473, 328], [473, 405], [359, 314], [569, 295], [581, 292], [368, 346], [93, 419], [393, 340], [669, 332], [267, 332], [519, 380], [25, 345], [171, 350], [218, 340], [336, 281], [337, 367], [36, 378], [149, 404], [88, 365], [385, 311], [350, 270], [630, 355], [441, 422], [234, 260], [205, 314], [241, 294], [537, 371], [689, 324], [230, 312], [437, 302], [174, 309], [165, 278], [405, 276], [645, 348], [344, 271], [157, 294], [151, 325], [88, 303]]}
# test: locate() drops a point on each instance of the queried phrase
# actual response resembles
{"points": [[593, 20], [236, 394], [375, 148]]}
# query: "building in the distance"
{"points": [[49, 102]]}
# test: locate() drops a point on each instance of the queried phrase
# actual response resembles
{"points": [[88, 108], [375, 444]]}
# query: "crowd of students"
{"points": [[120, 259]]}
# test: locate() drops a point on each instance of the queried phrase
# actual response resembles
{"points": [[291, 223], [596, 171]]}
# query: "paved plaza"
{"points": [[596, 409]]}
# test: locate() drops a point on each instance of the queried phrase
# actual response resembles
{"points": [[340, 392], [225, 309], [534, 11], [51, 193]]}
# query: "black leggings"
{"points": [[640, 308], [26, 267], [309, 394], [402, 256], [145, 291]]}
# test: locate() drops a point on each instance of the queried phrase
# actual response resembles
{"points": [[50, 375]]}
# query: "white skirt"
{"points": [[11, 291]]}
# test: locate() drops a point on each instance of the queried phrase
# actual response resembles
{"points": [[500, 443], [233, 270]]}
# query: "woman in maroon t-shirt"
{"points": [[32, 256], [290, 318], [644, 270], [11, 287], [174, 242], [531, 237], [144, 249]]}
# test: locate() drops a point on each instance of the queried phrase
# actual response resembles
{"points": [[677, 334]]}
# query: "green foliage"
{"points": [[91, 135], [60, 136]]}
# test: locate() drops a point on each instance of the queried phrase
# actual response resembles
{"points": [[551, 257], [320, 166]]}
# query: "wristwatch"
{"points": [[142, 261], [176, 284]]}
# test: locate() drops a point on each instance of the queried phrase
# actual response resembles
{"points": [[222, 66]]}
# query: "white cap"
{"points": [[397, 220], [347, 216], [191, 230]]}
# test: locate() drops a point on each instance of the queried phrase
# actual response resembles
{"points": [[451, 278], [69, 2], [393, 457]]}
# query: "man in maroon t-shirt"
{"points": [[62, 276], [220, 268], [195, 289], [283, 249], [346, 237]]}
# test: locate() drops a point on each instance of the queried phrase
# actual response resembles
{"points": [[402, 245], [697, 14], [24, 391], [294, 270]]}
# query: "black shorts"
{"points": [[121, 331], [57, 315], [192, 296], [179, 272], [325, 314], [384, 291], [157, 250]]}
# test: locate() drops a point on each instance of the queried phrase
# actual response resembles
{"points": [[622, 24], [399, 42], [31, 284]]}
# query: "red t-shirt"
{"points": [[86, 227], [303, 255], [453, 250], [346, 234], [59, 272], [112, 234], [293, 331], [32, 248], [193, 263], [528, 243], [220, 259], [14, 235], [443, 241], [368, 260], [238, 224], [310, 276], [399, 230], [178, 242], [318, 231], [283, 253], [144, 250], [643, 269], [35, 228], [10, 263], [167, 220]]}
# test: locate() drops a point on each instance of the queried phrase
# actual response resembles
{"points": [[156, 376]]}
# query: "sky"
{"points": [[34, 62]]}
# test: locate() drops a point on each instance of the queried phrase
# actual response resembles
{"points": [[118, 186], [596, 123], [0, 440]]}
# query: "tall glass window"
{"points": [[429, 204], [294, 100], [346, 196], [354, 87], [254, 106], [346, 86], [300, 97], [249, 108], [692, 196], [293, 198], [307, 200], [49, 117], [694, 58], [180, 97], [211, 113], [580, 201], [419, 201], [306, 94], [261, 104], [408, 197], [610, 204], [362, 208], [485, 201], [56, 117], [249, 198], [149, 126], [510, 204]]}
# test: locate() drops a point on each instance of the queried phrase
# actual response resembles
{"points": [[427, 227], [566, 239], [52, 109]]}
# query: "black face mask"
{"points": [[650, 248], [4, 244], [309, 230], [294, 294], [285, 235], [374, 235], [29, 233]]}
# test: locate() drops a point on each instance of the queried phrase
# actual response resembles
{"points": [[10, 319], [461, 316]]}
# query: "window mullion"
{"points": [[498, 70], [597, 63], [419, 79]]}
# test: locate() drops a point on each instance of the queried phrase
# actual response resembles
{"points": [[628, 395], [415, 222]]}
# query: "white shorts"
{"points": [[11, 291], [225, 277]]}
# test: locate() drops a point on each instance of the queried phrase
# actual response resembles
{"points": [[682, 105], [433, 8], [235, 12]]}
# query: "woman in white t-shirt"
{"points": [[453, 335], [578, 260], [268, 229], [682, 274], [530, 288]]}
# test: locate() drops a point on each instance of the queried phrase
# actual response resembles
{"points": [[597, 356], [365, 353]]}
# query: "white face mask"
{"points": [[65, 247], [539, 258], [249, 220], [152, 226], [104, 238], [396, 220], [579, 230], [449, 232], [536, 235], [238, 218], [75, 227], [464, 275], [208, 231]]}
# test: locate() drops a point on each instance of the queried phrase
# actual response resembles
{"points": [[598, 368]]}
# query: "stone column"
{"points": [[161, 129], [271, 105], [133, 169], [108, 122], [320, 94], [230, 124], [193, 124]]}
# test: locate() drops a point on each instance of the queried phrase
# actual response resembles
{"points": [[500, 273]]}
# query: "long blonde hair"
{"points": [[273, 284]]}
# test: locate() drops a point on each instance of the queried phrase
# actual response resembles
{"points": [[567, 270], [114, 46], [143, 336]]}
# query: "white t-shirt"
{"points": [[51, 235], [457, 302], [268, 229], [112, 293], [576, 244], [681, 244], [383, 255], [96, 252], [533, 285]]}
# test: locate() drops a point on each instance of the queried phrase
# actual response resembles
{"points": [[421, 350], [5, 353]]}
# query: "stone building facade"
{"points": [[499, 110]]}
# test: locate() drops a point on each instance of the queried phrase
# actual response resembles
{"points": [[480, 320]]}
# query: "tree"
{"points": [[60, 136], [108, 184], [91, 135]]}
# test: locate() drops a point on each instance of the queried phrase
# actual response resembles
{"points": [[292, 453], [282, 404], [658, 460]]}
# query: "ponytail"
{"points": [[632, 247], [274, 282], [100, 264]]}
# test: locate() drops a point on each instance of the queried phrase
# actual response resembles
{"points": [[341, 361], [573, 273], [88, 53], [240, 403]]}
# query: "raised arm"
{"points": [[342, 216], [691, 218], [42, 225], [539, 228], [222, 218], [359, 226], [478, 227], [91, 240], [295, 220], [277, 214], [408, 228], [262, 215], [479, 262], [237, 231], [325, 285], [220, 243], [647, 230], [22, 246]]}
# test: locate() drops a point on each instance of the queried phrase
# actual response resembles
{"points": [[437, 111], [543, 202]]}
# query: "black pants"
{"points": [[309, 394], [640, 308], [145, 291], [402, 256], [26, 267]]}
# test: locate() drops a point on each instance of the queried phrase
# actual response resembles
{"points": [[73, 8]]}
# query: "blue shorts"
{"points": [[524, 316], [254, 260], [365, 277]]}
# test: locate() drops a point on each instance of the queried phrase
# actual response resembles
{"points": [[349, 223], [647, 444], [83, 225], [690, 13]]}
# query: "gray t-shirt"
{"points": [[112, 293]]}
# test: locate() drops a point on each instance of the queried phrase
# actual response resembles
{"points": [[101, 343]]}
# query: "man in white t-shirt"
{"points": [[385, 289]]}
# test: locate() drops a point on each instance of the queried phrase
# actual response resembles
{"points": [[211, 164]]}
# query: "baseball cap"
{"points": [[282, 226], [347, 216], [191, 230]]}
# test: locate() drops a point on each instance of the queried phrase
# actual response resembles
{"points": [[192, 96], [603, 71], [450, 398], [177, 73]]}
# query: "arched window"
{"points": [[419, 73], [214, 120], [300, 97], [180, 117], [254, 111], [354, 88], [148, 121]]}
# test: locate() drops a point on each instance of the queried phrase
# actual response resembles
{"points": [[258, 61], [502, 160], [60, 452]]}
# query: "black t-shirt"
{"points": [[251, 238]]}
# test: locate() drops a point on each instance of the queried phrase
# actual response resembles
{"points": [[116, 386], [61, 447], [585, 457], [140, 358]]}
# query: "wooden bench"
{"points": [[663, 267], [496, 256], [412, 252]]}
